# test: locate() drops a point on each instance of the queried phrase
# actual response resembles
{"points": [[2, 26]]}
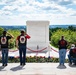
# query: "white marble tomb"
{"points": [[39, 32]]}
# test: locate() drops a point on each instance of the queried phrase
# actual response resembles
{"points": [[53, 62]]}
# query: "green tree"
{"points": [[15, 33], [1, 30], [69, 35], [72, 28]]}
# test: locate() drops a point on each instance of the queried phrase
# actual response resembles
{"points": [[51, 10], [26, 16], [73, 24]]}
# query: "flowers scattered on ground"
{"points": [[36, 59]]}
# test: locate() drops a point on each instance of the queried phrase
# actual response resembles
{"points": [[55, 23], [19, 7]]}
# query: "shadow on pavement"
{"points": [[74, 66], [61, 67], [2, 68], [17, 68]]}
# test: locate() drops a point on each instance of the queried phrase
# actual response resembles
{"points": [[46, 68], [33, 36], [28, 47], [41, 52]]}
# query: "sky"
{"points": [[17, 12]]}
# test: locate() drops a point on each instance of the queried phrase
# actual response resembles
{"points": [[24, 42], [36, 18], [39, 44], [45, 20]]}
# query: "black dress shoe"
{"points": [[70, 63], [21, 64], [24, 64], [5, 64], [74, 63]]}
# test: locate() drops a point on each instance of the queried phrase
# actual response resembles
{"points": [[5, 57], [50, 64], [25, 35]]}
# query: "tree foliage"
{"points": [[1, 30], [69, 35], [12, 42], [72, 28]]}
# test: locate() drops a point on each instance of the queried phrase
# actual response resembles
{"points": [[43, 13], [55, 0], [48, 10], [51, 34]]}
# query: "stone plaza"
{"points": [[37, 69]]}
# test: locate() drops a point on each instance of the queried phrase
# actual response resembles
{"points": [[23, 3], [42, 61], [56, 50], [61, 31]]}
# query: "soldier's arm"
{"points": [[27, 36], [10, 34]]}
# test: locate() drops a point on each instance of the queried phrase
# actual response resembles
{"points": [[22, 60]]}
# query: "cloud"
{"points": [[74, 1], [74, 14], [9, 2], [33, 6], [2, 2], [5, 13], [62, 2], [6, 2], [10, 8], [53, 18], [65, 2], [23, 10]]}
